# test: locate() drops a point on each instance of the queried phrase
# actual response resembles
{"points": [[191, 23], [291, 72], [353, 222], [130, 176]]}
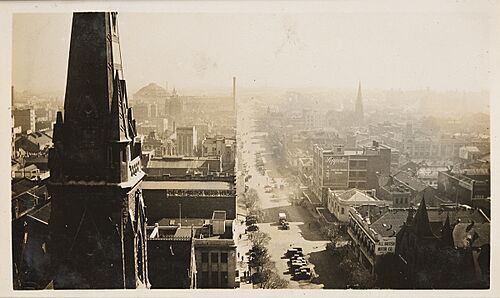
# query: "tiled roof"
{"points": [[393, 219], [390, 223]]}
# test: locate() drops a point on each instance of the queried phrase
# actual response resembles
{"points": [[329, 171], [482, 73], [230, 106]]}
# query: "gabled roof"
{"points": [[410, 181], [354, 195]]}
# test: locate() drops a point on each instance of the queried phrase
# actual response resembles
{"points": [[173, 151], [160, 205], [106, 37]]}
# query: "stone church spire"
{"points": [[97, 223], [421, 222]]}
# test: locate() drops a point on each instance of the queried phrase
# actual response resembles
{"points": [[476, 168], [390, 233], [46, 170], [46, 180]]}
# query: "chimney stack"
{"points": [[234, 93]]}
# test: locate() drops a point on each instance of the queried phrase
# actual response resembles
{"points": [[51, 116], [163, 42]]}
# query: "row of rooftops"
{"points": [[185, 229], [339, 149], [387, 222]]}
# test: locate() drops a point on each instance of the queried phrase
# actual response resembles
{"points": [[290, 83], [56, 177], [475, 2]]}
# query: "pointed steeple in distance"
{"points": [[359, 104], [447, 233], [421, 223]]}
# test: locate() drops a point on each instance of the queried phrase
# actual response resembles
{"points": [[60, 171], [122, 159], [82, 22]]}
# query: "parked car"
{"points": [[285, 225], [303, 268], [290, 252], [303, 275], [297, 254]]}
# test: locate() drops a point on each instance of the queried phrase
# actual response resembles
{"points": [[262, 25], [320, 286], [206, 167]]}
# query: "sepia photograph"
{"points": [[335, 147]]}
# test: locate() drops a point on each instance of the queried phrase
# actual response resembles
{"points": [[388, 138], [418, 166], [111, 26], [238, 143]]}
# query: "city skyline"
{"points": [[440, 51], [351, 151]]}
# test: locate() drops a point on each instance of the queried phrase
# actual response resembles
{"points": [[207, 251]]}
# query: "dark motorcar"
{"points": [[302, 275], [290, 252]]}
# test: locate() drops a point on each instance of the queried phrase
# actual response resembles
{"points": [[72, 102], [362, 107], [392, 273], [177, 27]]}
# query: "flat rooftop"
{"points": [[196, 185]]}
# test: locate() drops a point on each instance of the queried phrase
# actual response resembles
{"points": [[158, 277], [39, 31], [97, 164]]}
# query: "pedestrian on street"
{"points": [[242, 258], [240, 236], [238, 254]]}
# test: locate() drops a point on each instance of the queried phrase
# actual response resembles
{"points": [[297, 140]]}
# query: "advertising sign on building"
{"points": [[336, 171]]}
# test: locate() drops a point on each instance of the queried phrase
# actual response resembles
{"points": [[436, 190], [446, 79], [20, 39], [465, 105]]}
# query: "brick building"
{"points": [[340, 168], [189, 198], [26, 119]]}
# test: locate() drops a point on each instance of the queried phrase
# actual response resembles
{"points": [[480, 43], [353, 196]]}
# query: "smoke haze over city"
{"points": [[440, 51]]}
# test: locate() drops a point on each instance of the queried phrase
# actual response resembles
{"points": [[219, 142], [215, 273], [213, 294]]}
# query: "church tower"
{"points": [[97, 225], [359, 113]]}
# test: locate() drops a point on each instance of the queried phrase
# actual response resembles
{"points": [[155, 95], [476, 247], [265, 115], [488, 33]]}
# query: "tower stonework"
{"points": [[97, 231]]}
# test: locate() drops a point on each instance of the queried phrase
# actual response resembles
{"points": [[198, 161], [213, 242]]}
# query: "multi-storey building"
{"points": [[463, 187], [340, 168], [193, 197], [220, 146], [193, 252], [26, 119], [186, 141]]}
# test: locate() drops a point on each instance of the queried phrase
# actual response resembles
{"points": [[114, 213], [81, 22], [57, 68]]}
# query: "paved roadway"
{"points": [[301, 233]]}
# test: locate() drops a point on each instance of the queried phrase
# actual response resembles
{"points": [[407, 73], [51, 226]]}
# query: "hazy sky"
{"points": [[445, 51]]}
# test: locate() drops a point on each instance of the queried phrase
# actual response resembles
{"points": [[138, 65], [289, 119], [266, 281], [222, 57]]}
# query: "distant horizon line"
{"points": [[275, 88]]}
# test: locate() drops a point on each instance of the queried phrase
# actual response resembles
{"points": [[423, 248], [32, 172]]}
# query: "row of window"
{"points": [[401, 201], [357, 164], [214, 257]]}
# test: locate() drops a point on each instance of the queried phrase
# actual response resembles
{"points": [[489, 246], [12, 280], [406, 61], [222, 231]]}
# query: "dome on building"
{"points": [[151, 90]]}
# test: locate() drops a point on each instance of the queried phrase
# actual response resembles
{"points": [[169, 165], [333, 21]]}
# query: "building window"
{"points": [[342, 210], [204, 257], [223, 257], [215, 257]]}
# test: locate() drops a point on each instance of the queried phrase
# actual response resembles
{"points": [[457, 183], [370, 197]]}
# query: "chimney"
{"points": [[234, 88]]}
